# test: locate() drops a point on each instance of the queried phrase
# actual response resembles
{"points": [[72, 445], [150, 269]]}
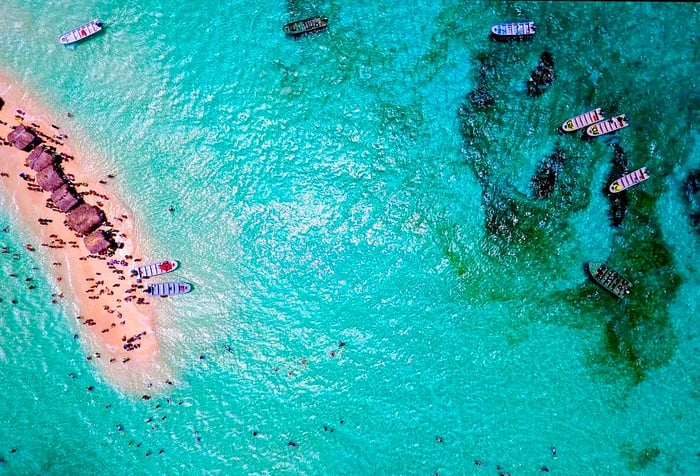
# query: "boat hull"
{"points": [[582, 120], [168, 288], [81, 33], [155, 269], [513, 30], [609, 279], [306, 26], [606, 127], [629, 180]]}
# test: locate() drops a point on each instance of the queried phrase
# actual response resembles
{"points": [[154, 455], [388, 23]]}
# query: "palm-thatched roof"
{"points": [[97, 242], [64, 198], [84, 218], [38, 159], [49, 179], [20, 137]]}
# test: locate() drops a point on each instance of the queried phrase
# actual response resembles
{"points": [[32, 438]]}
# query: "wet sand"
{"points": [[114, 318]]}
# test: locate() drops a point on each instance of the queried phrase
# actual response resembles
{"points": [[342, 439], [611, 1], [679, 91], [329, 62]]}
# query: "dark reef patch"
{"points": [[618, 201], [692, 187], [638, 459], [524, 234], [546, 175], [481, 97], [542, 76]]}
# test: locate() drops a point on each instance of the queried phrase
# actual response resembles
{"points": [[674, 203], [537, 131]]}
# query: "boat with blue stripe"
{"points": [[514, 30]]}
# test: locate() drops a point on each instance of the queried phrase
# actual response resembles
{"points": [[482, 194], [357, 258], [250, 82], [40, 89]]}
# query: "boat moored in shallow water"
{"points": [[168, 288], [81, 32], [609, 279], [606, 127], [582, 120], [629, 180], [306, 26], [154, 269], [514, 30]]}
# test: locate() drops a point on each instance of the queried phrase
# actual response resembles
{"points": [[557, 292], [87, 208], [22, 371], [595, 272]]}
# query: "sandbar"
{"points": [[114, 318]]}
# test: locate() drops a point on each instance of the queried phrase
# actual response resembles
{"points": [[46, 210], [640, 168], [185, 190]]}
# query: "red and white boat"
{"points": [[605, 127], [80, 33], [154, 269], [629, 180], [582, 120]]}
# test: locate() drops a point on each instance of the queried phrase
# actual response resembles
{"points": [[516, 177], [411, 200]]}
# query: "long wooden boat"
{"points": [[514, 30], [306, 26], [582, 120], [168, 288], [80, 33], [606, 127], [629, 180], [609, 279], [155, 269]]}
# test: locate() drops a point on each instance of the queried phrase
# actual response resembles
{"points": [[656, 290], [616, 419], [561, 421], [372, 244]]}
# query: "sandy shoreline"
{"points": [[115, 321]]}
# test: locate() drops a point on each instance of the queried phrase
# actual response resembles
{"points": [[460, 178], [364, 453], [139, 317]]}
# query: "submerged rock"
{"points": [[546, 175], [542, 76], [618, 201], [481, 98], [692, 184], [692, 187]]}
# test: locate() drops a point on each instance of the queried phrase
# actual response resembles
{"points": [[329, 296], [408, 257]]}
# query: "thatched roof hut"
{"points": [[49, 179], [38, 159], [64, 198], [20, 137], [97, 242], [84, 218]]}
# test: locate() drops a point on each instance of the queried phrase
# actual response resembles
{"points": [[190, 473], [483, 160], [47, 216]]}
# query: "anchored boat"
{"points": [[605, 127], [514, 30], [80, 33], [154, 269], [169, 288], [306, 26], [582, 120], [609, 279], [629, 180]]}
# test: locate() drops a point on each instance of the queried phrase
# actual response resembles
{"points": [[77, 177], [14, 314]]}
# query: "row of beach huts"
{"points": [[81, 217]]}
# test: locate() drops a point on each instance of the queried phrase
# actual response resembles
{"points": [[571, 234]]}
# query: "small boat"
{"points": [[605, 127], [582, 120], [308, 25], [80, 33], [514, 30], [629, 180], [168, 288], [154, 269], [609, 279]]}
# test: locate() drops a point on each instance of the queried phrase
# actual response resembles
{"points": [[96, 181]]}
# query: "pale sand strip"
{"points": [[91, 286]]}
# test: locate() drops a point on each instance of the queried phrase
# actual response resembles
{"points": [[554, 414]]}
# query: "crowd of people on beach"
{"points": [[99, 284]]}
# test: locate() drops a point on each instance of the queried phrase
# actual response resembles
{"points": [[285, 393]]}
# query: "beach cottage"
{"points": [[49, 179], [21, 137], [84, 218], [64, 198], [97, 242], [38, 159]]}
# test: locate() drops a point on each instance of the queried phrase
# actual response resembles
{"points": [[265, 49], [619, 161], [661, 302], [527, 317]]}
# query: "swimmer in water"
{"points": [[554, 452]]}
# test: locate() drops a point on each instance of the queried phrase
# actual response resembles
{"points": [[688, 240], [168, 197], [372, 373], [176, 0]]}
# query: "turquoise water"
{"points": [[332, 189]]}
